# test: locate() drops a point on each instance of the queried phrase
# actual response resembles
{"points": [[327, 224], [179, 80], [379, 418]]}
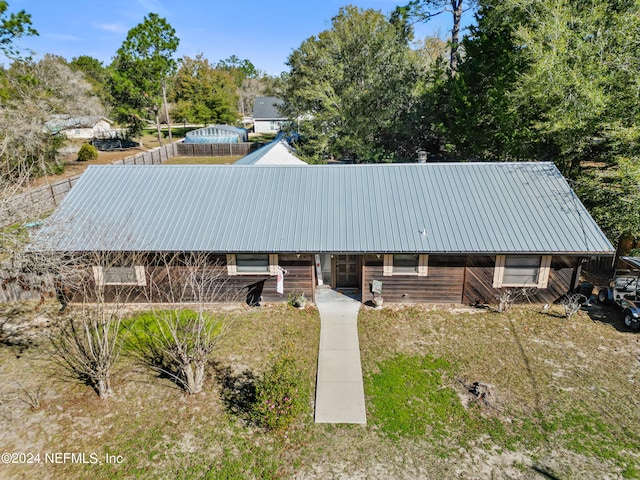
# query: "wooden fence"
{"points": [[40, 200], [13, 292], [216, 149]]}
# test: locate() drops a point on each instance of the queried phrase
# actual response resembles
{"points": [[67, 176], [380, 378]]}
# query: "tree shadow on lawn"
{"points": [[238, 390]]}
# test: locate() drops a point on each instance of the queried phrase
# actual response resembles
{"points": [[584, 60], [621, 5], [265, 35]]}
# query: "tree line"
{"points": [[530, 80], [144, 84]]}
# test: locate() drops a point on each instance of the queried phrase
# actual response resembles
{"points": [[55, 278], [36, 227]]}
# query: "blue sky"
{"points": [[263, 32]]}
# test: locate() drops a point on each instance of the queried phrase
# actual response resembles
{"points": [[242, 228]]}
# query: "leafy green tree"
{"points": [[204, 94], [93, 69], [12, 27], [425, 10], [549, 79], [244, 67], [350, 85], [612, 196], [139, 73]]}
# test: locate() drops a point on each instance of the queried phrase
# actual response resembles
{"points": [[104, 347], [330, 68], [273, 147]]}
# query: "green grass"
{"points": [[408, 397], [227, 160]]}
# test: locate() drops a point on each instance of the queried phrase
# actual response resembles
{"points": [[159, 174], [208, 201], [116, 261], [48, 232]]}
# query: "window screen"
{"points": [[405, 263], [119, 276], [252, 263], [521, 270]]}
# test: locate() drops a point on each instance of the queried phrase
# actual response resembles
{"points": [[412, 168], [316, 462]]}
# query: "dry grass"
{"points": [[554, 380]]}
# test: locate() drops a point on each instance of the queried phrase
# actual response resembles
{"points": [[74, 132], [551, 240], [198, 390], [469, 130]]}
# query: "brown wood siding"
{"points": [[443, 284], [300, 277], [478, 285]]}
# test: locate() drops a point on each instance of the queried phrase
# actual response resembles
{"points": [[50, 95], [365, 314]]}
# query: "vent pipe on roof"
{"points": [[422, 156]]}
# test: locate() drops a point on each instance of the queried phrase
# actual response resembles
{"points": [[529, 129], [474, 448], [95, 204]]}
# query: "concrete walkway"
{"points": [[339, 388]]}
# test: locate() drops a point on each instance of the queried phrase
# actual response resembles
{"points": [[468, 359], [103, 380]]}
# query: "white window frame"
{"points": [[232, 265], [141, 278], [421, 271], [544, 270]]}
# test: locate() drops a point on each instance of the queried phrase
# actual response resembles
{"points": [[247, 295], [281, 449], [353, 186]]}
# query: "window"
{"points": [[406, 264], [120, 276], [252, 264], [522, 271]]}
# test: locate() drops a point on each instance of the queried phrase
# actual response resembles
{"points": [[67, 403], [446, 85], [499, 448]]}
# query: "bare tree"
{"points": [[509, 296], [572, 304], [88, 341], [180, 341]]}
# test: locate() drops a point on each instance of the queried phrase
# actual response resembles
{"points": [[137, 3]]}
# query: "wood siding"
{"points": [[443, 284], [300, 277], [451, 279], [479, 280]]}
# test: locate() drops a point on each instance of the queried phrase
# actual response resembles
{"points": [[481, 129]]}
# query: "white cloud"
{"points": [[111, 27]]}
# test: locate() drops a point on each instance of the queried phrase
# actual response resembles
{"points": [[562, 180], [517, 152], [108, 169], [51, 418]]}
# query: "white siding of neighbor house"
{"points": [[266, 126]]}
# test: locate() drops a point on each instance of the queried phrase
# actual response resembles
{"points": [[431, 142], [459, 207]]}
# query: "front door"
{"points": [[347, 271]]}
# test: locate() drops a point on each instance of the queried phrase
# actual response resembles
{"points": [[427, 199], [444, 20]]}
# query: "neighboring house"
{"points": [[217, 134], [278, 152], [266, 115], [452, 233], [86, 127]]}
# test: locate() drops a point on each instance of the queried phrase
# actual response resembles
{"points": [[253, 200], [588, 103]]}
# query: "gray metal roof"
{"points": [[58, 123], [266, 108], [461, 207]]}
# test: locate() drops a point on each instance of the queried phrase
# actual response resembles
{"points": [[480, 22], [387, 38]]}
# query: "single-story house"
{"points": [[83, 127], [278, 152], [441, 232], [266, 115]]}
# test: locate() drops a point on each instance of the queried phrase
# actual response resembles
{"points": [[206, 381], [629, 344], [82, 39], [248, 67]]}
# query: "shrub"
{"points": [[87, 152], [280, 395]]}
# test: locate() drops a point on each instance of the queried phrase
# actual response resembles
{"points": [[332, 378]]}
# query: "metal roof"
{"points": [[58, 123], [277, 152], [266, 108], [452, 207]]}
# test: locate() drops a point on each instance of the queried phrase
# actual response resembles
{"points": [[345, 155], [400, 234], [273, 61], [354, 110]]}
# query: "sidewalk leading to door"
{"points": [[339, 387]]}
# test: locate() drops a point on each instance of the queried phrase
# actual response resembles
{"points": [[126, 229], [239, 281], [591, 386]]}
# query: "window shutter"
{"points": [[498, 272], [231, 265], [545, 270], [97, 275], [423, 265], [387, 269], [140, 276], [273, 264]]}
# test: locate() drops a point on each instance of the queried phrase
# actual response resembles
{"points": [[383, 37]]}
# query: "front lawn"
{"points": [[560, 398]]}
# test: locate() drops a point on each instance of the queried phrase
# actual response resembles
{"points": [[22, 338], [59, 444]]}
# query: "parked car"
{"points": [[624, 291]]}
